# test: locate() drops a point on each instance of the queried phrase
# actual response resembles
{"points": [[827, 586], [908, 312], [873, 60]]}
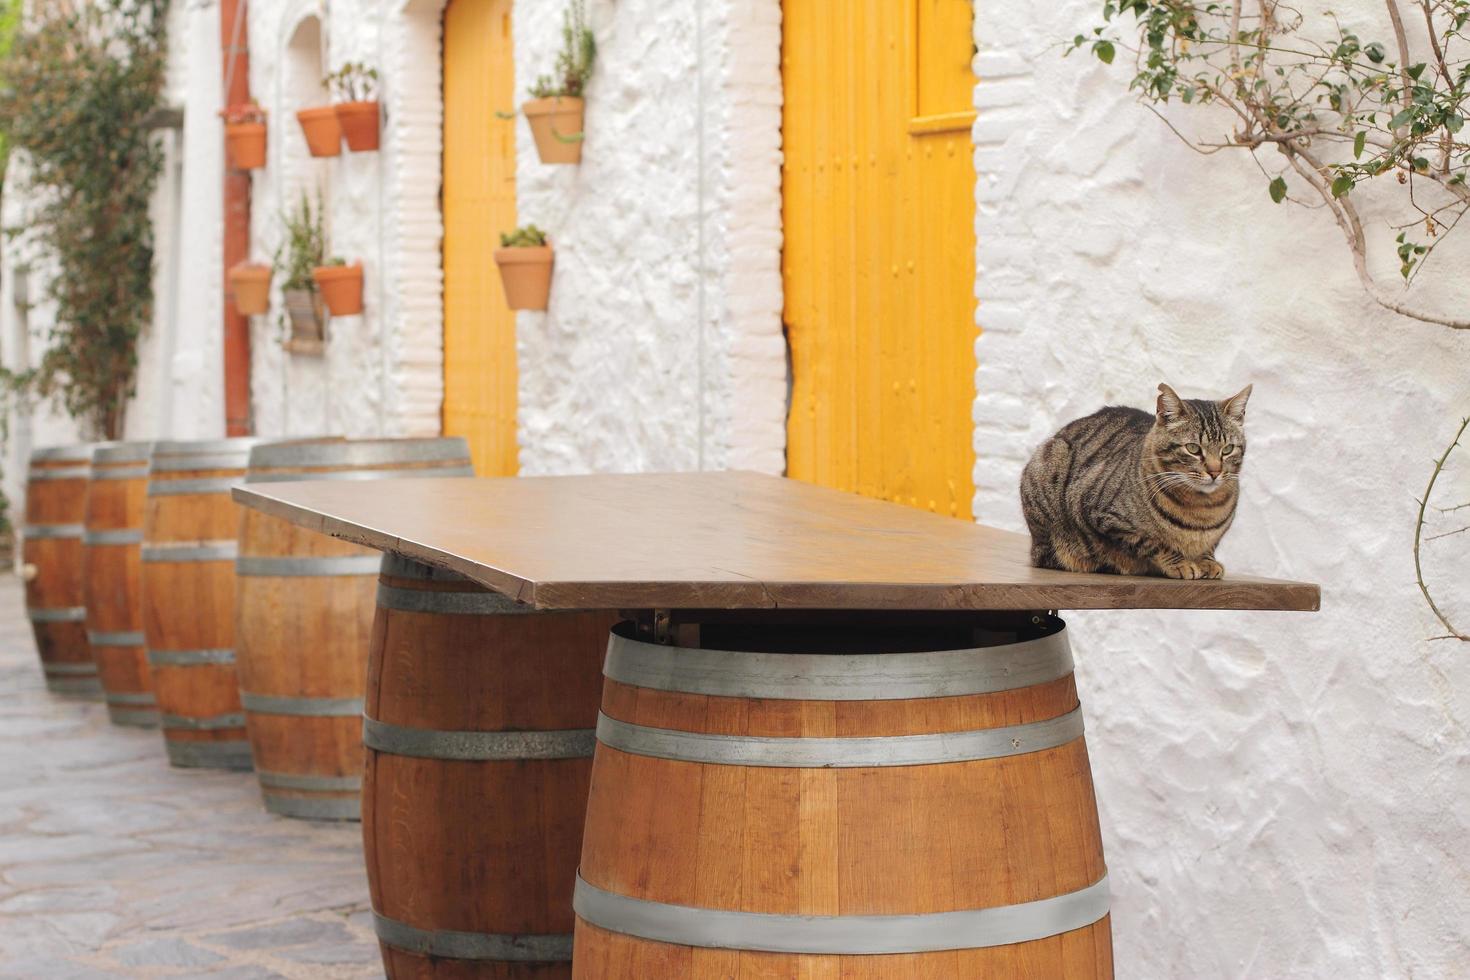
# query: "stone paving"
{"points": [[113, 864]]}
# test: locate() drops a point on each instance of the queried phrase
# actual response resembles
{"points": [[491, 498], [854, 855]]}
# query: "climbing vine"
{"points": [[1326, 113], [82, 80], [1322, 110]]}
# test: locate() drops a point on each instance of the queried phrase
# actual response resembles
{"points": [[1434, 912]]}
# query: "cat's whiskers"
{"points": [[1163, 480]]}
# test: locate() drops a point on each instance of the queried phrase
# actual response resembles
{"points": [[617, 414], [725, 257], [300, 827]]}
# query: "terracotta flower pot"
{"points": [[526, 275], [556, 123], [323, 134], [341, 287], [251, 285], [246, 143], [359, 122]]}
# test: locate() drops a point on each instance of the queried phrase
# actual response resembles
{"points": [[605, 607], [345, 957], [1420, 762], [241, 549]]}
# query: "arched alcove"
{"points": [[301, 87], [305, 391]]}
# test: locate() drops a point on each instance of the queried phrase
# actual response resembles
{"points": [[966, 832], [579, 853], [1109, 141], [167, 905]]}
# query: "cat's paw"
{"points": [[1195, 568]]}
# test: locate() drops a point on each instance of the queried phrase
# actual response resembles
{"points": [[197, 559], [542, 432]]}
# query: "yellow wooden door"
{"points": [[479, 203], [878, 191]]}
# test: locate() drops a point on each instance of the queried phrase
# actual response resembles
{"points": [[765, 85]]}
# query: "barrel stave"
{"points": [[189, 600], [55, 512], [880, 840], [112, 581], [487, 847], [304, 638]]}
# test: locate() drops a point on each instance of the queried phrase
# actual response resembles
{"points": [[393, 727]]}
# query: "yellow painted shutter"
{"points": [[479, 203], [878, 212]]}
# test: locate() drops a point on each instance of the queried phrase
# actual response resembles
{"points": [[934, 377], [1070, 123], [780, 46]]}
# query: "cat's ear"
{"points": [[1171, 407], [1234, 406]]}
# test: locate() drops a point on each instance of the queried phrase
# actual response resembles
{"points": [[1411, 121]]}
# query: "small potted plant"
{"points": [[555, 110], [322, 130], [251, 284], [525, 259], [299, 254], [340, 285], [245, 135], [355, 87]]}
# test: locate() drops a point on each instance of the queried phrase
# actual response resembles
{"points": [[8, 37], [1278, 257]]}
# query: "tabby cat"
{"points": [[1131, 493]]}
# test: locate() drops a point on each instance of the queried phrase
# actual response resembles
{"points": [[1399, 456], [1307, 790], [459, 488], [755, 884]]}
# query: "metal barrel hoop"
{"points": [[512, 746], [292, 566], [841, 934], [304, 707], [190, 551]]}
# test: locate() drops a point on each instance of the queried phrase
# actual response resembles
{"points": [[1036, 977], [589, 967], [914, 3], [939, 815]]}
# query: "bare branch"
{"points": [[1444, 71], [1419, 532], [1403, 42]]}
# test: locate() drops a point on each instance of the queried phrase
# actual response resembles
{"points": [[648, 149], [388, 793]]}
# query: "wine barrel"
{"points": [[305, 614], [819, 812], [112, 587], [189, 599], [479, 739], [51, 550]]}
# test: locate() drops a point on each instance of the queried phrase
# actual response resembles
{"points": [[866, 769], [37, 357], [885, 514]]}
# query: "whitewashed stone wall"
{"points": [[662, 348], [1283, 795]]}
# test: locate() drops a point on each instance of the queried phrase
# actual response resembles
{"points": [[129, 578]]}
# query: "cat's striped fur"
{"points": [[1134, 493]]}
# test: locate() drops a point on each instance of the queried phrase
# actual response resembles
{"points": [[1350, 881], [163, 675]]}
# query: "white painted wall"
{"points": [[662, 347], [1283, 795]]}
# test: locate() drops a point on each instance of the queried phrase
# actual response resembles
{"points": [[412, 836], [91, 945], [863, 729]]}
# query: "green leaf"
{"points": [[1277, 189], [1402, 119], [1416, 70], [1375, 52], [1358, 142], [1104, 51], [1454, 123], [1341, 184]]}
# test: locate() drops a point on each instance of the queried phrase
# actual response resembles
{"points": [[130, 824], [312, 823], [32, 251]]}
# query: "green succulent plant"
{"points": [[526, 236]]}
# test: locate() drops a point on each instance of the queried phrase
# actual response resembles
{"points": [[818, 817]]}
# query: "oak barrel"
{"points": [[112, 586], [305, 614], [479, 734], [821, 808], [189, 599], [51, 550]]}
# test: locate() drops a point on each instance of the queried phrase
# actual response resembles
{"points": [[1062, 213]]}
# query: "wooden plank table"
{"points": [[837, 736]]}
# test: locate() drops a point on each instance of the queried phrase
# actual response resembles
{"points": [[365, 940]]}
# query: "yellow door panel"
{"points": [[479, 203], [878, 211]]}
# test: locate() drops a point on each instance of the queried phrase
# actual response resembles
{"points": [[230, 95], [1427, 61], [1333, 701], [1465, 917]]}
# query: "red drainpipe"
{"points": [[235, 61]]}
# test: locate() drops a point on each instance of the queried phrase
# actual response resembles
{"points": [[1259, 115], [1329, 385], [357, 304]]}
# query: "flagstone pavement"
{"points": [[113, 864]]}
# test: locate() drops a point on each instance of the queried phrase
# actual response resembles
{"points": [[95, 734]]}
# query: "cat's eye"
{"points": [[1229, 448], [1192, 448]]}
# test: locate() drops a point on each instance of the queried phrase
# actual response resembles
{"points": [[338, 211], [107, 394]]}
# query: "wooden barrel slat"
{"points": [[188, 561], [113, 581], [472, 854], [305, 618], [996, 850], [55, 516]]}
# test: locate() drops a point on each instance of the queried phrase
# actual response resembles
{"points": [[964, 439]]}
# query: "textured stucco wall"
{"points": [[662, 348], [1283, 795], [293, 44]]}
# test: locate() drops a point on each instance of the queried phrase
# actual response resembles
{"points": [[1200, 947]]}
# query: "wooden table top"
{"points": [[721, 541]]}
